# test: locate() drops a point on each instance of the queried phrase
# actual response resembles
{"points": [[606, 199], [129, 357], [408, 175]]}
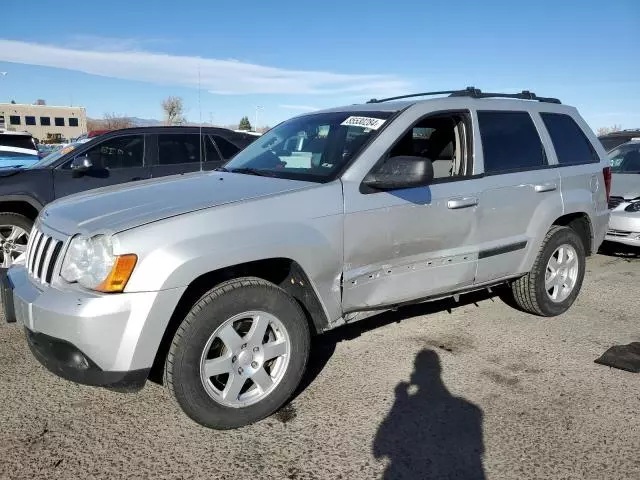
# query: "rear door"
{"points": [[115, 160], [520, 194], [176, 153]]}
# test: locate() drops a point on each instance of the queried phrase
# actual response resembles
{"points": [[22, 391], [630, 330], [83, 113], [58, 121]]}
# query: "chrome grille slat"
{"points": [[42, 254], [34, 255]]}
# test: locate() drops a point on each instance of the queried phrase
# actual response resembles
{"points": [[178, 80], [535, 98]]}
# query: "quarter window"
{"points": [[30, 120], [73, 122], [569, 141], [14, 119], [227, 149], [510, 142], [119, 152], [59, 122], [45, 121], [178, 148], [211, 154]]}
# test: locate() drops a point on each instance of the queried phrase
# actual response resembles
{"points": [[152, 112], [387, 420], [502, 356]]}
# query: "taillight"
{"points": [[606, 172]]}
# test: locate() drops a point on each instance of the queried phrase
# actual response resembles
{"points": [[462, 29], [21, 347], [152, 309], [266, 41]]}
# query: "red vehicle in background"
{"points": [[96, 133]]}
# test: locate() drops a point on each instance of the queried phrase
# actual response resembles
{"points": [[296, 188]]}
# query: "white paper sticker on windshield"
{"points": [[365, 122]]}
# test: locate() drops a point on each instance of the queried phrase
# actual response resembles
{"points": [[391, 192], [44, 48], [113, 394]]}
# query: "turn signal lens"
{"points": [[119, 275]]}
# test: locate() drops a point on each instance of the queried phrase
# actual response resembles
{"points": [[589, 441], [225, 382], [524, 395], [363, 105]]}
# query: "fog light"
{"points": [[79, 361]]}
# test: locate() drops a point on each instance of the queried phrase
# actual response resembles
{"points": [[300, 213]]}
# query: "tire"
{"points": [[201, 396], [9, 222], [530, 293]]}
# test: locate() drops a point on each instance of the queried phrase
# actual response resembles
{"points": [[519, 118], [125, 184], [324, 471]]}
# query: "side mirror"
{"points": [[80, 165], [401, 172]]}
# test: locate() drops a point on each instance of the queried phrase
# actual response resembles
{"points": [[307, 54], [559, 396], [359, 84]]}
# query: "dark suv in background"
{"points": [[116, 157], [614, 139]]}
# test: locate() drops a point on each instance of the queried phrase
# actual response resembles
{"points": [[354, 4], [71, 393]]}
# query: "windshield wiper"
{"points": [[250, 171]]}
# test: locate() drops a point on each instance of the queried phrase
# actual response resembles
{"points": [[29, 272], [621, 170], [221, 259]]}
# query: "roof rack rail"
{"points": [[474, 93]]}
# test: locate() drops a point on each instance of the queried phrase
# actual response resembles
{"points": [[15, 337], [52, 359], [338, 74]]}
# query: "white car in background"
{"points": [[624, 202], [17, 149]]}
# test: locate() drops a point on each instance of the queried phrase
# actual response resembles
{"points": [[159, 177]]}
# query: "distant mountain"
{"points": [[145, 122]]}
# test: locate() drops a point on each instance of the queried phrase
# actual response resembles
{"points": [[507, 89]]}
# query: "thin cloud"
{"points": [[225, 77], [302, 108]]}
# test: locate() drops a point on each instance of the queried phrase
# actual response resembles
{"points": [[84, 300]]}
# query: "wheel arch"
{"points": [[20, 204], [581, 224], [283, 272]]}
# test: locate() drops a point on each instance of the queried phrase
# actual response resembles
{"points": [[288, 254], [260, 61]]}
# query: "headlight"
{"points": [[633, 207], [91, 263]]}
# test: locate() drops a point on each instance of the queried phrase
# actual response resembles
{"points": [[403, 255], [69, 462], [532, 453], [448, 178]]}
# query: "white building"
{"points": [[44, 121]]}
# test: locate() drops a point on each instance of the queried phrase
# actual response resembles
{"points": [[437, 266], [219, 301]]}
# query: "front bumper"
{"points": [[97, 339], [67, 361], [624, 227]]}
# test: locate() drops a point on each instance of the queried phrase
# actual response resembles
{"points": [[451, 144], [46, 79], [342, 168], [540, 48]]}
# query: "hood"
{"points": [[626, 185], [121, 207]]}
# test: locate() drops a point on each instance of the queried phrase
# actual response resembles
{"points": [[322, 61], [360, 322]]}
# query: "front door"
{"points": [[414, 243], [115, 160]]}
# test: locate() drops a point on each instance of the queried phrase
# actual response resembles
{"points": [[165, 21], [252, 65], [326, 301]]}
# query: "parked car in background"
{"points": [[218, 280], [613, 139], [115, 157], [17, 149], [624, 225]]}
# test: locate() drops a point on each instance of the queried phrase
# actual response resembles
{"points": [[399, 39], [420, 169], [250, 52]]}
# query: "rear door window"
{"points": [[510, 142], [178, 148], [569, 141]]}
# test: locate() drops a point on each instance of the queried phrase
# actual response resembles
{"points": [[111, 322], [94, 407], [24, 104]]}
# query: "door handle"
{"points": [[545, 187], [462, 202]]}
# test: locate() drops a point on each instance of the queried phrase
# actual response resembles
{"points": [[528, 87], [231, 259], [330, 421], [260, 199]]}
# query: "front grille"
{"points": [[615, 201], [42, 253]]}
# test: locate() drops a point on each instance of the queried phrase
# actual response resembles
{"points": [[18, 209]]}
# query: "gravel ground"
{"points": [[474, 390]]}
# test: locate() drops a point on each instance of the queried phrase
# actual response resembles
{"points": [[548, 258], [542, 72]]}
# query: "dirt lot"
{"points": [[476, 390]]}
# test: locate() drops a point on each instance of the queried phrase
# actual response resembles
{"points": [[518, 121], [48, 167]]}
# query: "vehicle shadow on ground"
{"points": [[612, 249], [429, 433], [323, 346]]}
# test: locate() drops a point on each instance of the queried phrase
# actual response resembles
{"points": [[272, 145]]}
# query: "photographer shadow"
{"points": [[429, 433]]}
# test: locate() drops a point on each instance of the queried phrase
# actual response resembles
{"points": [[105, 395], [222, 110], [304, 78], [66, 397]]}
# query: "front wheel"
{"points": [[554, 282], [239, 354], [14, 236]]}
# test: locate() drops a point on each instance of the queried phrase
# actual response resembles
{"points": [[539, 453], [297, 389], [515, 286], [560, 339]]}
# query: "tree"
{"points": [[114, 121], [173, 110], [606, 130], [245, 124]]}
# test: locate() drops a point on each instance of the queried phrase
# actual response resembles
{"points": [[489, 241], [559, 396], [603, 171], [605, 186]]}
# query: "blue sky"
{"points": [[290, 57]]}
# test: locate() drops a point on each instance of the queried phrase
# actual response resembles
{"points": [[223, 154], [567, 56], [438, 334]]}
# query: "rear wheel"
{"points": [[14, 235], [554, 282], [239, 354]]}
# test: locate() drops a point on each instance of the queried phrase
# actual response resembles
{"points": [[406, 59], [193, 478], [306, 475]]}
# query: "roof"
{"points": [[11, 132], [451, 103]]}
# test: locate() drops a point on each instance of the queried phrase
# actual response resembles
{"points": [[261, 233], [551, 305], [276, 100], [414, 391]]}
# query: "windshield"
{"points": [[16, 159], [313, 147], [17, 141], [626, 158], [56, 154]]}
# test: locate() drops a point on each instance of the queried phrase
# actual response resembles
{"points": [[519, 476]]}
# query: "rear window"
{"points": [[510, 142], [569, 141], [17, 141]]}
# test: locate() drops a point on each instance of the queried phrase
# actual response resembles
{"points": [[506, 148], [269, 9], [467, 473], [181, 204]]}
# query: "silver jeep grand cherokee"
{"points": [[219, 279]]}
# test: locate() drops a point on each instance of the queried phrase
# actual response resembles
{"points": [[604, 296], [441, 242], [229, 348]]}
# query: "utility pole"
{"points": [[255, 126]]}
